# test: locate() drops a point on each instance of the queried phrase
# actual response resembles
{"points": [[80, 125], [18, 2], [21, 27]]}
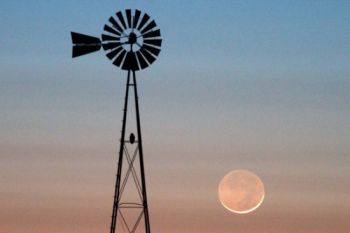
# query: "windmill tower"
{"points": [[132, 42]]}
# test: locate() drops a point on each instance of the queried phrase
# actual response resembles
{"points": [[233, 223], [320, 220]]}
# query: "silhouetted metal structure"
{"points": [[132, 42]]}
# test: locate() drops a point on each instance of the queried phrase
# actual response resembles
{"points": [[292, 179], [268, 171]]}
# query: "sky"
{"points": [[256, 85]]}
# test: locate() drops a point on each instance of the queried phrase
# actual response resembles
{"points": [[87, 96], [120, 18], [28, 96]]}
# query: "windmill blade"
{"points": [[79, 50], [78, 38], [128, 17], [142, 60], [150, 59], [121, 19], [153, 50], [144, 20], [150, 26], [154, 42], [111, 55], [111, 45], [119, 58], [130, 62], [150, 34], [115, 24], [110, 38], [136, 18], [111, 30]]}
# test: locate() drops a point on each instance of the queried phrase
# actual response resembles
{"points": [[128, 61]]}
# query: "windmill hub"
{"points": [[132, 38]]}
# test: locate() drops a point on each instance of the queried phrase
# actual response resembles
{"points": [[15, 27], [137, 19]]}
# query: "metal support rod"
{"points": [[120, 160], [142, 170]]}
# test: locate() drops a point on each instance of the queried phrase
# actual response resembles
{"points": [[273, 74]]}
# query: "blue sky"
{"points": [[258, 85]]}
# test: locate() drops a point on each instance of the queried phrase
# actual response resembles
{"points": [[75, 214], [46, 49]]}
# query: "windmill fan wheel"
{"points": [[131, 40]]}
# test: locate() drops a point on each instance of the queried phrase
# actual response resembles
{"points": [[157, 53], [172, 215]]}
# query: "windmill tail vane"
{"points": [[84, 44]]}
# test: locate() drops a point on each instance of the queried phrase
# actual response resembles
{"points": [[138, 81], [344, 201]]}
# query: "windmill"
{"points": [[132, 42]]}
